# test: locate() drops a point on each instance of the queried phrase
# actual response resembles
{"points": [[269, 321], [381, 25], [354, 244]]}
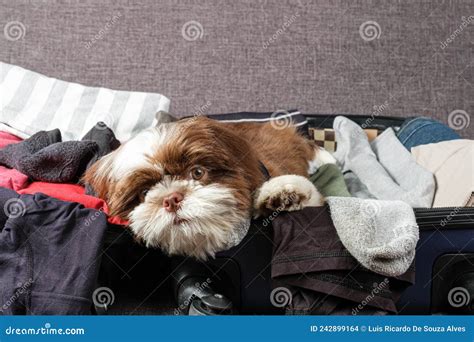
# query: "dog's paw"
{"points": [[287, 193]]}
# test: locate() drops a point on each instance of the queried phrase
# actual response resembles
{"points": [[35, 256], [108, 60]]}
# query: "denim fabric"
{"points": [[420, 131]]}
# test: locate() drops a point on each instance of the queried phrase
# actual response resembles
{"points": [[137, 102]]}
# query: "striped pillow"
{"points": [[31, 102]]}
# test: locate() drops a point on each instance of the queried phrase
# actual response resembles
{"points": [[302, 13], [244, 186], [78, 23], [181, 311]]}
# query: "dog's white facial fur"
{"points": [[215, 208], [208, 220]]}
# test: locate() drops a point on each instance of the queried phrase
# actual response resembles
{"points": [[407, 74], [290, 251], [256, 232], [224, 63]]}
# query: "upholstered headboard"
{"points": [[391, 57]]}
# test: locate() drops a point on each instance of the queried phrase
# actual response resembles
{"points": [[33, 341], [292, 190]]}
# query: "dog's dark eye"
{"points": [[197, 173], [143, 194]]}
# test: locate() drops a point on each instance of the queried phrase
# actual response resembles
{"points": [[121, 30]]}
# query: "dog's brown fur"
{"points": [[282, 150], [136, 179], [227, 150]]}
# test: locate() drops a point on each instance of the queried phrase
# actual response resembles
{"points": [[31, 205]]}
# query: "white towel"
{"points": [[31, 102]]}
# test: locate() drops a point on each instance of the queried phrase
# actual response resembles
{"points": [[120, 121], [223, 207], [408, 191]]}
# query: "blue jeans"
{"points": [[420, 131]]}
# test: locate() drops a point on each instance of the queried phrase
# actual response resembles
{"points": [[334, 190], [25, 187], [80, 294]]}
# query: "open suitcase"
{"points": [[444, 263]]}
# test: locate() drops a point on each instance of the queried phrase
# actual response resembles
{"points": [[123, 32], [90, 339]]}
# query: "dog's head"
{"points": [[185, 186]]}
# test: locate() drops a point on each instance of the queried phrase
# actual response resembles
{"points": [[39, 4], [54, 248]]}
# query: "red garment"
{"points": [[72, 193], [15, 180], [11, 178], [8, 138]]}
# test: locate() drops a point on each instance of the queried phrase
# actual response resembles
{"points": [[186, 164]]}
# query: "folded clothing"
{"points": [[420, 131], [45, 157], [381, 235], [32, 102], [15, 180], [384, 166], [50, 252], [310, 261], [452, 163]]}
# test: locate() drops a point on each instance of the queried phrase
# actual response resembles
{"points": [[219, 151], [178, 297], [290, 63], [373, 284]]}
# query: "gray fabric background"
{"points": [[318, 63]]}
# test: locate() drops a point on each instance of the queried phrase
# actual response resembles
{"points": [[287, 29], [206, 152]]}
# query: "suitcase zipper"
{"points": [[446, 217]]}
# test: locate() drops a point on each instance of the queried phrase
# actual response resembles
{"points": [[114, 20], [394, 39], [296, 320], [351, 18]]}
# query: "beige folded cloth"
{"points": [[452, 163]]}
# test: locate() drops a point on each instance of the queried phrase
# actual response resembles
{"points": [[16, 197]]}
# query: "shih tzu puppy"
{"points": [[190, 187]]}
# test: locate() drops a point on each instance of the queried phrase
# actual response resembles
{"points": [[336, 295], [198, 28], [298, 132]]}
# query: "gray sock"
{"points": [[105, 139], [381, 235], [59, 163], [403, 168], [355, 186], [354, 153], [10, 155], [106, 142]]}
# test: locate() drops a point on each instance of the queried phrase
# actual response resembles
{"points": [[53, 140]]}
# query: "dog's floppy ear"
{"points": [[99, 176], [164, 117]]}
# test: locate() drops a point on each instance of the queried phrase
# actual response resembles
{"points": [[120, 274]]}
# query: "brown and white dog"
{"points": [[185, 186]]}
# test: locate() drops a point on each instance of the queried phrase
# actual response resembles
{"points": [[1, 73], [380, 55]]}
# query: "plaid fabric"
{"points": [[326, 137]]}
